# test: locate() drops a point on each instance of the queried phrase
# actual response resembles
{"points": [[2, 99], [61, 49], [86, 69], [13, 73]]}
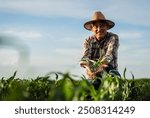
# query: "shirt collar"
{"points": [[95, 40]]}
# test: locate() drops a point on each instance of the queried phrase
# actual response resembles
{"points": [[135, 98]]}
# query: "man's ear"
{"points": [[92, 29], [92, 25]]}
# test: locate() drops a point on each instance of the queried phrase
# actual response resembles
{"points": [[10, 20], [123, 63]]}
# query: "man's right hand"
{"points": [[90, 73]]}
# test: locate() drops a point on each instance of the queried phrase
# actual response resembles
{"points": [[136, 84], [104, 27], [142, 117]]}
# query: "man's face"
{"points": [[99, 29]]}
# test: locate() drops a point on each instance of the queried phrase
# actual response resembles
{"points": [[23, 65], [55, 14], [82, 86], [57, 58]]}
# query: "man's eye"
{"points": [[96, 26]]}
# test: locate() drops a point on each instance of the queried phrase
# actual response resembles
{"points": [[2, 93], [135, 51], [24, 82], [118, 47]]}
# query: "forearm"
{"points": [[112, 51], [86, 54], [107, 59]]}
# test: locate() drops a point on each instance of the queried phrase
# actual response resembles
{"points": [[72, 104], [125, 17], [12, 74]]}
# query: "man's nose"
{"points": [[99, 28]]}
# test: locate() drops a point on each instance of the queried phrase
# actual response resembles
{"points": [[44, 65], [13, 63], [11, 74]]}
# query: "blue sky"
{"points": [[49, 34]]}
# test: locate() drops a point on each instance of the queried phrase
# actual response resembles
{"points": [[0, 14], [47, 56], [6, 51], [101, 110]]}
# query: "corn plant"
{"points": [[63, 86]]}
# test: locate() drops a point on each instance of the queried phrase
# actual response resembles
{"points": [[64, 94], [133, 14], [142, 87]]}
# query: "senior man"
{"points": [[102, 45]]}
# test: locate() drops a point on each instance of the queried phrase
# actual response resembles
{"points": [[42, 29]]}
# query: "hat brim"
{"points": [[88, 25]]}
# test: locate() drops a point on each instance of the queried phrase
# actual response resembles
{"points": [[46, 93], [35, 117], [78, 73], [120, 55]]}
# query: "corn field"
{"points": [[64, 87]]}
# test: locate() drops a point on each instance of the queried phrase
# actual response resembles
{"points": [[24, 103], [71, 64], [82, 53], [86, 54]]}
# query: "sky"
{"points": [[42, 36]]}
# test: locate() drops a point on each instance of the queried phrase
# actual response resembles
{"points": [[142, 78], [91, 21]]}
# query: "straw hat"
{"points": [[98, 16]]}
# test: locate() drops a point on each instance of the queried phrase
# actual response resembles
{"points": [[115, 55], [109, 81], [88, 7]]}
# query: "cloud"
{"points": [[45, 7], [134, 35], [68, 52], [134, 52], [128, 11], [11, 42], [8, 57], [134, 55], [124, 11], [58, 57], [21, 34]]}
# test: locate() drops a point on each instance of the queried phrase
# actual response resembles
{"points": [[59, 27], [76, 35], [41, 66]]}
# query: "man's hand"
{"points": [[100, 68], [84, 64], [93, 72], [90, 73]]}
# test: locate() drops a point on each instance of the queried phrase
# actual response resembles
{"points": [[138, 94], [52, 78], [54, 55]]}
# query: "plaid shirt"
{"points": [[105, 49]]}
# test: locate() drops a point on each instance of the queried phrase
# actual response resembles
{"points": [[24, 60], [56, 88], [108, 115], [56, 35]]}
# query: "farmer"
{"points": [[102, 46]]}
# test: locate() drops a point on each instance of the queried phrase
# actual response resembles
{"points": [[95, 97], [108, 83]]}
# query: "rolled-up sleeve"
{"points": [[112, 50], [86, 53]]}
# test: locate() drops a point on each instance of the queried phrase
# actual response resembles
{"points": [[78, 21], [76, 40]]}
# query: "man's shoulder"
{"points": [[113, 35], [90, 38], [113, 38]]}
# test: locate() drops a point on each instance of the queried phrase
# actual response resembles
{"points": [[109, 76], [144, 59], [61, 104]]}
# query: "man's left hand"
{"points": [[101, 68]]}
